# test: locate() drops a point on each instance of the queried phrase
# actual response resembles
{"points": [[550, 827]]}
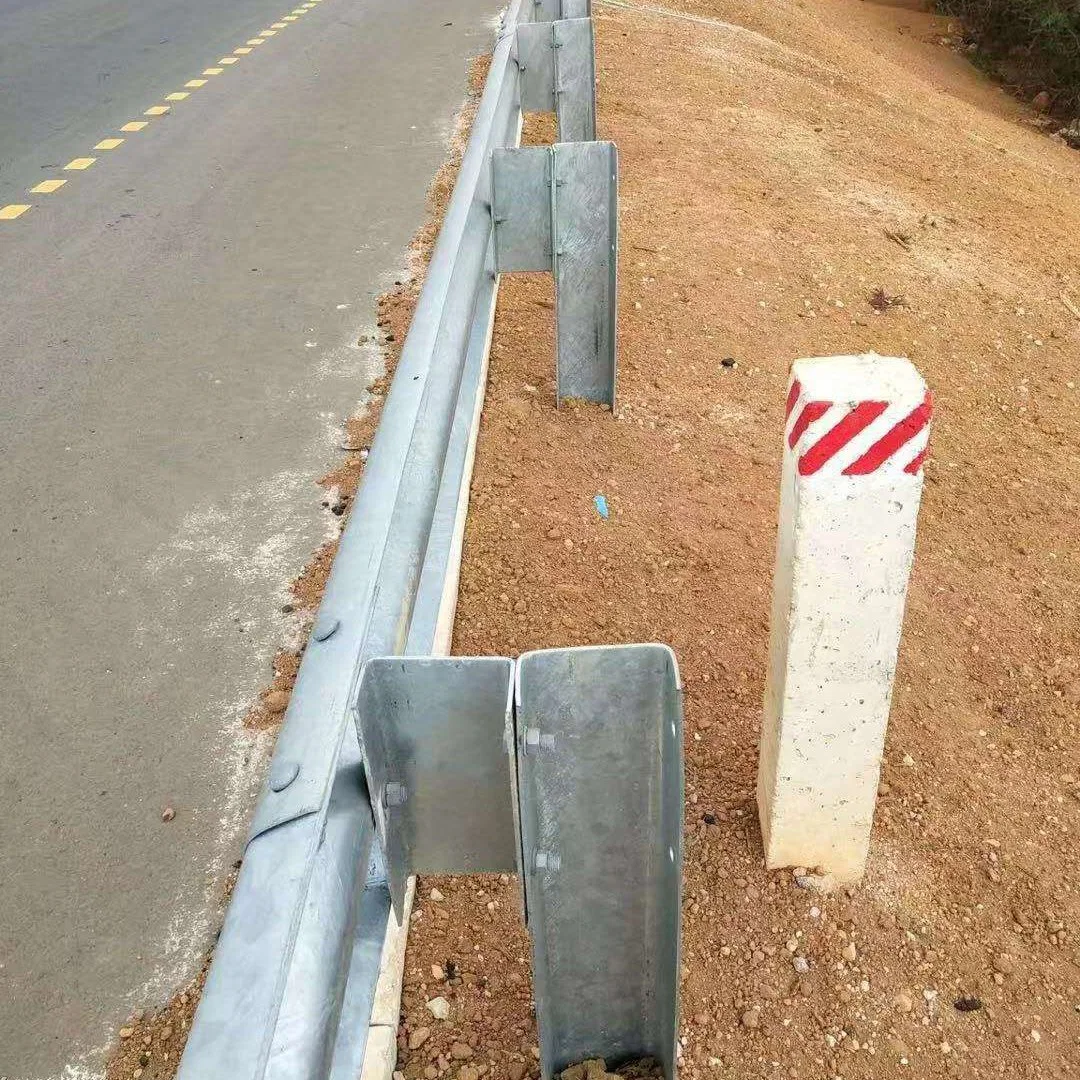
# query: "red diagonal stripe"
{"points": [[793, 396], [900, 433], [916, 463], [838, 436], [814, 410]]}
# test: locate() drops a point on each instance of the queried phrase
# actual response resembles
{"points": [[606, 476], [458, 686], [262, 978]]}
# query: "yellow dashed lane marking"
{"points": [[47, 187]]}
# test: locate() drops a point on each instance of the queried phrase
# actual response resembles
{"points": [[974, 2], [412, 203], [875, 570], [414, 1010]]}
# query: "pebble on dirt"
{"points": [[439, 1007]]}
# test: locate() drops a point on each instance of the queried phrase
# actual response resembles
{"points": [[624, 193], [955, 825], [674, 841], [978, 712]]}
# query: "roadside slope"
{"points": [[781, 162]]}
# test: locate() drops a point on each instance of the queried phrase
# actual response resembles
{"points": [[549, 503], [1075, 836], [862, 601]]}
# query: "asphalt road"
{"points": [[178, 328]]}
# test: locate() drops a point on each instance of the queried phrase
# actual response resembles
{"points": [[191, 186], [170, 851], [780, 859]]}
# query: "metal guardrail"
{"points": [[289, 995], [284, 999]]}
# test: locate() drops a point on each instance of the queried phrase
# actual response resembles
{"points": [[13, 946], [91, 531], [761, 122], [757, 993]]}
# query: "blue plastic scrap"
{"points": [[601, 506]]}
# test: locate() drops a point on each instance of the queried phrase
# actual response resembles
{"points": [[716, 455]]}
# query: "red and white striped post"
{"points": [[856, 437]]}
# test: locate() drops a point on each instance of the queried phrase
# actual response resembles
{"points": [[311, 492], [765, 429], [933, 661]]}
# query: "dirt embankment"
{"points": [[781, 162]]}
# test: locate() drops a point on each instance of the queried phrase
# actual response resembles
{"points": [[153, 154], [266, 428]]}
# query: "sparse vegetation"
{"points": [[1032, 44]]}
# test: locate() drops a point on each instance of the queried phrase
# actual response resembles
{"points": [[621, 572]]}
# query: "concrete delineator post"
{"points": [[855, 440]]}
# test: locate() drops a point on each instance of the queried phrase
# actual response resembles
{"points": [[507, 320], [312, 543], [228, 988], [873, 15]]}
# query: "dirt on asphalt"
{"points": [[786, 165]]}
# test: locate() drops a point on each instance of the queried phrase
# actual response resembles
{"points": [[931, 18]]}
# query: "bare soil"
{"points": [[784, 165]]}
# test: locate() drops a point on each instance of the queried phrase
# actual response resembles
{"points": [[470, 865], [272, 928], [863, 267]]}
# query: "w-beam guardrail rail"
{"points": [[574, 779]]}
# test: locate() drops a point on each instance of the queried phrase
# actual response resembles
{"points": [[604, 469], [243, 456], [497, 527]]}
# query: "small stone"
{"points": [[430, 1072], [126, 1032], [516, 1070], [276, 701], [897, 1046], [168, 814], [967, 1004], [437, 973], [418, 1036], [439, 1007], [751, 1018], [568, 544], [801, 964], [903, 1002], [792, 945], [1004, 964], [461, 1051], [468, 1072], [436, 896], [850, 952], [1041, 101], [520, 607]]}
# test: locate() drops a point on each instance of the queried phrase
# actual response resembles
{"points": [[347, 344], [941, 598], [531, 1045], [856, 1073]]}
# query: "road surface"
{"points": [[178, 330]]}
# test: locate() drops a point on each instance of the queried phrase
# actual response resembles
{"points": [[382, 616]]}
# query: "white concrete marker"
{"points": [[856, 436]]}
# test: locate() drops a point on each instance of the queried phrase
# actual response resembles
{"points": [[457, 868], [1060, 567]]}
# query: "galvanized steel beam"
{"points": [[549, 10], [438, 745], [283, 973], [557, 208], [558, 74], [601, 805]]}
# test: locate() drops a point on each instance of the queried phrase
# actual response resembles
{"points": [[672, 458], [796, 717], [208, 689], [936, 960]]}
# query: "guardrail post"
{"points": [[556, 208], [856, 437], [550, 10], [558, 74]]}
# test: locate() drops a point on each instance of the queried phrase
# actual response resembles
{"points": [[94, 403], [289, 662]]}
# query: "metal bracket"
{"points": [[438, 752], [581, 794], [556, 208], [549, 10], [601, 827], [558, 74]]}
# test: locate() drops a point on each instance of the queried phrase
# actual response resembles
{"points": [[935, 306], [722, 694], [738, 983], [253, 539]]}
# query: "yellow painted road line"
{"points": [[178, 95], [228, 60], [157, 110], [194, 84], [278, 25], [108, 144], [47, 187], [267, 33], [291, 18], [242, 51], [80, 163], [254, 41], [213, 71], [135, 125], [13, 210]]}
